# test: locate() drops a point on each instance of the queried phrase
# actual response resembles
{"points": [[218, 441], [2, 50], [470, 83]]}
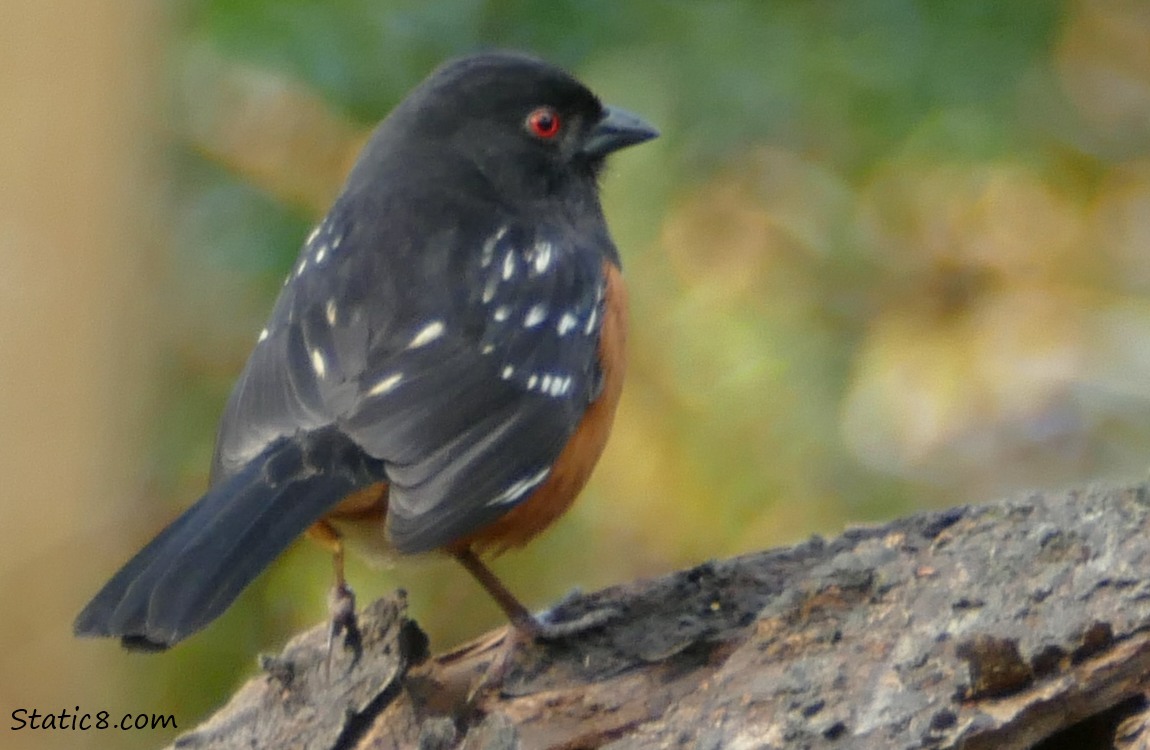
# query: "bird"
{"points": [[441, 369]]}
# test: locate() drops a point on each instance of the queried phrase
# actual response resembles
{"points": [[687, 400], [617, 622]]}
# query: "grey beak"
{"points": [[618, 129]]}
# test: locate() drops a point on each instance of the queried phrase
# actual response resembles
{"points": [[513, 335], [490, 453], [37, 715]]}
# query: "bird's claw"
{"points": [[546, 630], [341, 608]]}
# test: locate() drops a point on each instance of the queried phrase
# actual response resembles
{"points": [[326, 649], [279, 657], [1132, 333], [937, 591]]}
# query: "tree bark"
{"points": [[1022, 623]]}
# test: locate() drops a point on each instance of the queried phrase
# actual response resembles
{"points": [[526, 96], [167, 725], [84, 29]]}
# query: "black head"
{"points": [[528, 126]]}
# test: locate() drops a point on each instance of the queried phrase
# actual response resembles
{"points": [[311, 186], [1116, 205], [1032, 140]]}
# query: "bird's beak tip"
{"points": [[617, 129]]}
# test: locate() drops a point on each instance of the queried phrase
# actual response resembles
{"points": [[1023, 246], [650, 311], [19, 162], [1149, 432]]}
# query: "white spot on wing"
{"points": [[489, 289], [320, 254], [263, 335], [487, 349], [330, 311], [501, 313], [508, 371], [385, 384], [302, 266], [314, 233], [542, 256], [508, 264], [488, 253], [317, 362], [427, 334], [566, 323], [591, 319], [335, 242], [560, 385], [551, 384], [536, 315], [519, 488]]}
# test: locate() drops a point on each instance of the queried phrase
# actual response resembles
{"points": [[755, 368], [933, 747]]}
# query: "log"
{"points": [[1016, 624]]}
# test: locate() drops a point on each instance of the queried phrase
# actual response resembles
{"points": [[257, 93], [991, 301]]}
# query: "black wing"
{"points": [[463, 364]]}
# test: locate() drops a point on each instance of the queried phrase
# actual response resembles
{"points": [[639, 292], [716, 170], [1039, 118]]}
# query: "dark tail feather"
{"points": [[189, 574]]}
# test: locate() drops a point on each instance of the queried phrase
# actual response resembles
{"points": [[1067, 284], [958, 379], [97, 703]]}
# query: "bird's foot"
{"points": [[543, 629], [341, 609], [524, 632]]}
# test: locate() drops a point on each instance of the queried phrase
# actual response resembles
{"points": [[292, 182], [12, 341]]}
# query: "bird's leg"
{"points": [[525, 623], [341, 607], [341, 599], [522, 620], [525, 627]]}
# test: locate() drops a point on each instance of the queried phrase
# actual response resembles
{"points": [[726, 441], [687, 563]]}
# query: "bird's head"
{"points": [[528, 126]]}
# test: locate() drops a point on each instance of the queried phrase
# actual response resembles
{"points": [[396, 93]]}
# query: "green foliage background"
{"points": [[887, 254]]}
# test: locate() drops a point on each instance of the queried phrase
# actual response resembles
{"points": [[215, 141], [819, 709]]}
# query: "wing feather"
{"points": [[465, 391]]}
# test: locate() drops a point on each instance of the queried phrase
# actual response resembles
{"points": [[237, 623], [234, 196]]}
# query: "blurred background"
{"points": [[887, 255]]}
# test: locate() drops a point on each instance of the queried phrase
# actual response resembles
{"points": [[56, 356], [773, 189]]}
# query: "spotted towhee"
{"points": [[442, 366]]}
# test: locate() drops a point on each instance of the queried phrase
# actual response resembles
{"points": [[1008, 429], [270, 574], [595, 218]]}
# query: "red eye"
{"points": [[543, 123]]}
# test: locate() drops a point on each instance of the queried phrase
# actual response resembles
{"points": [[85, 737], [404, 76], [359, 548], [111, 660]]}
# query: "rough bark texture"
{"points": [[1023, 623]]}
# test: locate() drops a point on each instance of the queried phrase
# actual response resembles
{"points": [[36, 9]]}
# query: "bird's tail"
{"points": [[189, 574]]}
